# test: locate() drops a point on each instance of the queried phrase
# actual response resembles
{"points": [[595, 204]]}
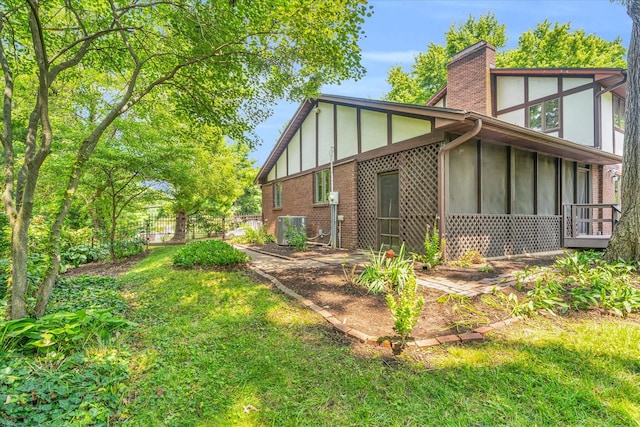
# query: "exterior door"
{"points": [[389, 210], [583, 196]]}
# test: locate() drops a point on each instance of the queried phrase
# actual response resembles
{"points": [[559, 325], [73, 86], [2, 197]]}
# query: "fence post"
{"points": [[223, 230], [148, 230]]}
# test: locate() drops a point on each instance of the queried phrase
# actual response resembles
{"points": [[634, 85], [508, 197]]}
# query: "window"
{"points": [[545, 116], [277, 195], [322, 186], [618, 112]]}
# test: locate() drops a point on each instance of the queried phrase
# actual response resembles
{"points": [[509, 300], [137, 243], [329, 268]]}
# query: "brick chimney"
{"points": [[468, 78]]}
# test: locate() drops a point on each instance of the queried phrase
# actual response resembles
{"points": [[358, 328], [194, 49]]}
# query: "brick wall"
{"points": [[468, 78], [298, 197]]}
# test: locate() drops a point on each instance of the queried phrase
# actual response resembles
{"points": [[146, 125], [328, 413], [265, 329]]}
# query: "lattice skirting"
{"points": [[418, 180], [500, 235]]}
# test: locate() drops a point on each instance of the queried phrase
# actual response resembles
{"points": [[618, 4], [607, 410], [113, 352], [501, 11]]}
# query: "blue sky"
{"points": [[399, 29]]}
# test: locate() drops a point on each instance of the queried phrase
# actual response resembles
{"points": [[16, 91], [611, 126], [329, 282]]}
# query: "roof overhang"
{"points": [[384, 106], [495, 130], [454, 121]]}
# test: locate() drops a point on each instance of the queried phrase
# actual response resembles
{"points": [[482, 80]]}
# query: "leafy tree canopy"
{"points": [[547, 46], [71, 69]]}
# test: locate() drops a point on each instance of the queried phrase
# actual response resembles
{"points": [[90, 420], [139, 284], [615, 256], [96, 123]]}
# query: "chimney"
{"points": [[469, 80]]}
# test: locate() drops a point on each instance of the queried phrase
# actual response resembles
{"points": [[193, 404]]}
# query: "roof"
{"points": [[305, 108], [605, 76], [456, 122]]}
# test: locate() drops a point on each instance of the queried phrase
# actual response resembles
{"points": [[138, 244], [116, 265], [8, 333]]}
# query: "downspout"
{"points": [[441, 177]]}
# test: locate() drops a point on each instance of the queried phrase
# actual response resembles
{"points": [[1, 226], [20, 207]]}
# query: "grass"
{"points": [[217, 349]]}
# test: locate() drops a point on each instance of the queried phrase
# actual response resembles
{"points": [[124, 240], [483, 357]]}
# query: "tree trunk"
{"points": [[180, 231], [112, 242], [625, 242], [46, 287], [18, 284]]}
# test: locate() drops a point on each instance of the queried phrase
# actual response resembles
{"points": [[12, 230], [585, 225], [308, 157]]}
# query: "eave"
{"points": [[495, 130]]}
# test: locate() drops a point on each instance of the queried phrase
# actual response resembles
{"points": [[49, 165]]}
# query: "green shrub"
{"points": [[208, 253], [396, 276], [87, 292], [405, 306], [60, 331], [255, 237], [129, 248], [296, 238], [582, 280], [384, 274], [82, 254], [62, 390], [432, 255]]}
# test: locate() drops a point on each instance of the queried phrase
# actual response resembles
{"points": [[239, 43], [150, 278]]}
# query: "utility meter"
{"points": [[334, 198]]}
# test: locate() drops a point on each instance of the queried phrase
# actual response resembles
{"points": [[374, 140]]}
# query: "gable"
{"points": [[338, 131]]}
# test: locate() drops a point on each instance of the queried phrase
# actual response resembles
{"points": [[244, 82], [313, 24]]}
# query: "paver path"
{"points": [[271, 263]]}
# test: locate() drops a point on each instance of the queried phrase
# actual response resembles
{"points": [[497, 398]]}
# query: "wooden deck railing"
{"points": [[589, 225]]}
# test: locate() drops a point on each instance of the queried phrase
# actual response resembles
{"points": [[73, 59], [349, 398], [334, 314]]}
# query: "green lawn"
{"points": [[216, 349]]}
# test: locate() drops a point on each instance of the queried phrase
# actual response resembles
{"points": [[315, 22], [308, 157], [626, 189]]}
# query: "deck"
{"points": [[589, 225]]}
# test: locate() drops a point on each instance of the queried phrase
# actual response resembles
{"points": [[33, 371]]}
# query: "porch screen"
{"points": [[525, 182], [463, 179], [568, 180], [547, 185], [494, 187]]}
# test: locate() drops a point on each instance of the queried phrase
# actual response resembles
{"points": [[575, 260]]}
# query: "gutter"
{"points": [[442, 177]]}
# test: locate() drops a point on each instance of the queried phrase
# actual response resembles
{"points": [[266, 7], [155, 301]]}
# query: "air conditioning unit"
{"points": [[299, 223]]}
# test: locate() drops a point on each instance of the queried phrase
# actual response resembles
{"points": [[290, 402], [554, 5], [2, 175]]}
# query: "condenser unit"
{"points": [[298, 223]]}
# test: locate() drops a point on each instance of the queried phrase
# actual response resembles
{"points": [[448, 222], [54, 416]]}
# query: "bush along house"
{"points": [[505, 161]]}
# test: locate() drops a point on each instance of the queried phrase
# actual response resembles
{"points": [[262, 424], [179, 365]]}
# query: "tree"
{"points": [[118, 179], [211, 181], [557, 47], [226, 61], [625, 241], [429, 72], [548, 45]]}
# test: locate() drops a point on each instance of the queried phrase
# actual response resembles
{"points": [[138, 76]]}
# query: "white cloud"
{"points": [[398, 57]]}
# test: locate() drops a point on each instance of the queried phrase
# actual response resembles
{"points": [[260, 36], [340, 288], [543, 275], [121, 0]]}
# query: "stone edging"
{"points": [[476, 335]]}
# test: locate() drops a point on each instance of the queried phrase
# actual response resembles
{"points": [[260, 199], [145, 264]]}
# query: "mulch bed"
{"points": [[332, 288]]}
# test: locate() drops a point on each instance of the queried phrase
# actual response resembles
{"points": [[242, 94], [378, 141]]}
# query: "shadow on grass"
{"points": [[220, 349]]}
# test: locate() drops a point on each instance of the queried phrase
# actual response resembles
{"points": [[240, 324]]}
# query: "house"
{"points": [[495, 158]]}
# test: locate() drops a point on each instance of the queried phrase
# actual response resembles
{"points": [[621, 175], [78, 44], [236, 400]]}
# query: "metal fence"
{"points": [[162, 229]]}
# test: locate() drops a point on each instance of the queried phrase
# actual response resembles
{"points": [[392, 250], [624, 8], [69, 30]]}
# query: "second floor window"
{"points": [[322, 186], [545, 116], [618, 112], [277, 195]]}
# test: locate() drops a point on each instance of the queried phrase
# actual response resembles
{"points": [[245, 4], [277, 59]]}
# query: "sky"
{"points": [[399, 29]]}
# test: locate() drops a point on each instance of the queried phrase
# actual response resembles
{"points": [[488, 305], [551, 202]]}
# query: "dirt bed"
{"points": [[330, 287]]}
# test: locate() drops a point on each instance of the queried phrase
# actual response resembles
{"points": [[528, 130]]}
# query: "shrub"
{"points": [[469, 258], [583, 280], [208, 253], [405, 306], [62, 331], [296, 238], [82, 254], [255, 237], [129, 248], [386, 274], [62, 390], [87, 292], [395, 276], [432, 255]]}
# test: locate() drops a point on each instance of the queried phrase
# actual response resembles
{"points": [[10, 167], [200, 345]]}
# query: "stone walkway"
{"points": [[270, 263], [263, 264]]}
